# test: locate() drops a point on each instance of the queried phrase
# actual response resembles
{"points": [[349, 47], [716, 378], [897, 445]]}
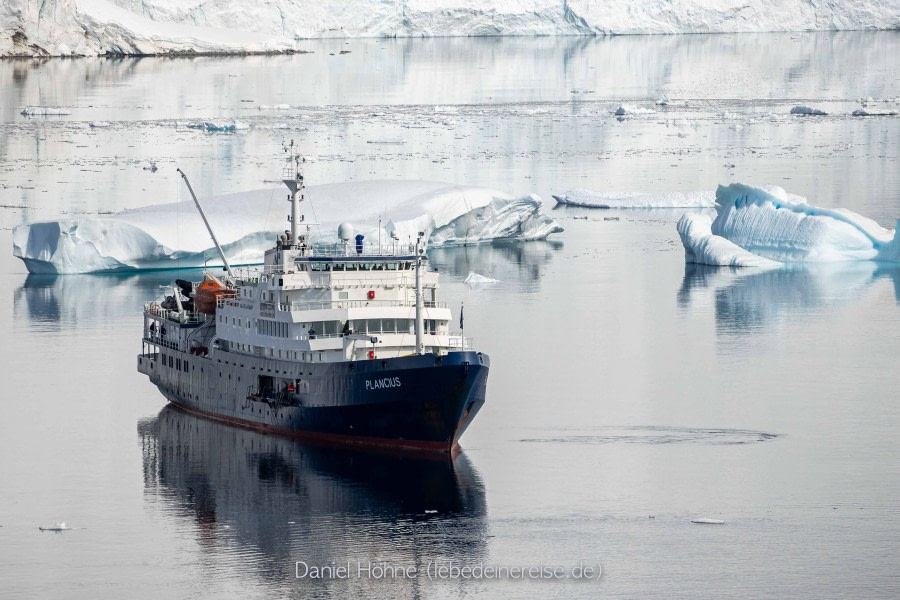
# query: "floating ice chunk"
{"points": [[873, 112], [226, 126], [43, 111], [628, 109], [274, 107], [708, 521], [769, 227], [663, 100], [173, 235], [58, 526], [99, 124], [399, 141], [591, 199], [807, 111], [475, 279]]}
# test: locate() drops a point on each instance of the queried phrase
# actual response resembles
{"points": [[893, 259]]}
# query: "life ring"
{"points": [[290, 388]]}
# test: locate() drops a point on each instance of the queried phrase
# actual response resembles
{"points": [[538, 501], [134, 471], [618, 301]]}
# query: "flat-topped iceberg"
{"points": [[172, 235], [590, 199], [767, 227]]}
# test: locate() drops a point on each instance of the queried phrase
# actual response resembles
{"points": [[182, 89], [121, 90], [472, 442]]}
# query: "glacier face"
{"points": [[769, 228], [170, 236], [96, 27]]}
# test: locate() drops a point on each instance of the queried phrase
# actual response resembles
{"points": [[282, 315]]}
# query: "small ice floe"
{"points": [[474, 279], [58, 526], [99, 124], [274, 107], [874, 112], [708, 521], [44, 111], [662, 100], [808, 111], [398, 141], [628, 109], [430, 512]]}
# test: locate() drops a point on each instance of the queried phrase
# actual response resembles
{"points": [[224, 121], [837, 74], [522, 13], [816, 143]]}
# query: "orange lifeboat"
{"points": [[208, 294]]}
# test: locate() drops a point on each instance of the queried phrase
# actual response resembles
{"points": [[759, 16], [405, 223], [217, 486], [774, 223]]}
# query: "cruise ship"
{"points": [[341, 342]]}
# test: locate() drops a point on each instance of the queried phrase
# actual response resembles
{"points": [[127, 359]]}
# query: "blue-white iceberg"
{"points": [[769, 227], [169, 236]]}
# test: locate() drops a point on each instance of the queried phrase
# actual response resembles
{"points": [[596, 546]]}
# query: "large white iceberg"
{"points": [[591, 199], [769, 227], [173, 235], [96, 27]]}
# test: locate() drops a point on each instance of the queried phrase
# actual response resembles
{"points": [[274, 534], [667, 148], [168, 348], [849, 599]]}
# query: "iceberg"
{"points": [[591, 199], [769, 228], [43, 111], [808, 111], [227, 126], [154, 27], [873, 112], [172, 235], [627, 109]]}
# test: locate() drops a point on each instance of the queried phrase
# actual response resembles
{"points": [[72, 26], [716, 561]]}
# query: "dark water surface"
{"points": [[628, 394]]}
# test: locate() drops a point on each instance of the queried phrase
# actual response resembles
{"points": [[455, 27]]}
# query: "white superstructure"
{"points": [[342, 302]]}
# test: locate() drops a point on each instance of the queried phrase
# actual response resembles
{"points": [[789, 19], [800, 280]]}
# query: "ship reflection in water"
{"points": [[261, 503]]}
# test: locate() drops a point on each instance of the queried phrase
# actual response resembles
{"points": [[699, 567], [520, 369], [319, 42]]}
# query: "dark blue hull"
{"points": [[415, 402]]}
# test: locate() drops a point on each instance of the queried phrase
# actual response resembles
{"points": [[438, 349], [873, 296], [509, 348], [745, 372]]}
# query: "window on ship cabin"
{"points": [[351, 266]]}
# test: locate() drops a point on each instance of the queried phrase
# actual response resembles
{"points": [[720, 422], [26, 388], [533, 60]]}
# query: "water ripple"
{"points": [[658, 435]]}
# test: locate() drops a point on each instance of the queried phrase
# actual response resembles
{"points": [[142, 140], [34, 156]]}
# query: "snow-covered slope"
{"points": [[173, 235], [769, 227], [65, 27]]}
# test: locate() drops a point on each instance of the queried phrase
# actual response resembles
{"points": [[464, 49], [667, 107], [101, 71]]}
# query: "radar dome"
{"points": [[345, 232]]}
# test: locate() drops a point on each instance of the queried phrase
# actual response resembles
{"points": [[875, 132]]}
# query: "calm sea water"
{"points": [[629, 393]]}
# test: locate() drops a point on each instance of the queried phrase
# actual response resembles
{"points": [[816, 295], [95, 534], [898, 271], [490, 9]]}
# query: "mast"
{"points": [[208, 228], [420, 325], [295, 184]]}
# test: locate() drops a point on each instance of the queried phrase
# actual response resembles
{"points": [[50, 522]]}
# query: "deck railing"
{"points": [[190, 317]]}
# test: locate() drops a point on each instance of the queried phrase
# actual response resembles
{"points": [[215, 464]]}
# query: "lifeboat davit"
{"points": [[207, 296]]}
